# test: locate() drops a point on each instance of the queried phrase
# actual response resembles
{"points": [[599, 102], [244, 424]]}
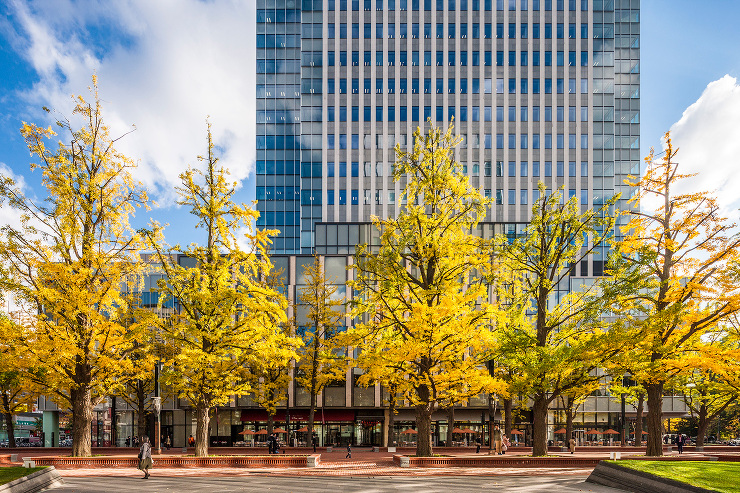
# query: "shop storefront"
{"points": [[333, 427]]}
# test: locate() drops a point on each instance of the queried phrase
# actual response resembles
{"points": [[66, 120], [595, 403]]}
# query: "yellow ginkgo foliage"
{"points": [[679, 279], [68, 259], [427, 327], [227, 318]]}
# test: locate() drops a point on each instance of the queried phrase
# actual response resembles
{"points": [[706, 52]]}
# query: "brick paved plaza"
{"points": [[354, 484]]}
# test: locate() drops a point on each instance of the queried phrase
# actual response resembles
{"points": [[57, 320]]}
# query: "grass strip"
{"points": [[723, 477]]}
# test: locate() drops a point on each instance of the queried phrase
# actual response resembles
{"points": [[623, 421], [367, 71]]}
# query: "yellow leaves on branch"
{"points": [[427, 326], [229, 319], [73, 252]]}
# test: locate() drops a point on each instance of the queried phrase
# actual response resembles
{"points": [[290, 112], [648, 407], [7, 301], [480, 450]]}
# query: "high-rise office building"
{"points": [[540, 90]]}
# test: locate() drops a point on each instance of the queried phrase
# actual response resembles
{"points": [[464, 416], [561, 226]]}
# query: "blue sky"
{"points": [[166, 65]]}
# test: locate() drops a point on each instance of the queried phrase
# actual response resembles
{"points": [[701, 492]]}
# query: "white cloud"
{"points": [[708, 138], [163, 66], [8, 215]]}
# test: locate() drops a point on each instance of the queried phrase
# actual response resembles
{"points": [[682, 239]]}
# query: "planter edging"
{"points": [[179, 461], [495, 461], [34, 482], [628, 479]]}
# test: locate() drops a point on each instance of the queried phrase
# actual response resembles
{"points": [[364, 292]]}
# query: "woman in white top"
{"points": [[145, 456]]}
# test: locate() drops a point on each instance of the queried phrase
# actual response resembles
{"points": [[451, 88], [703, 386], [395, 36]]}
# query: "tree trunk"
{"points": [[270, 423], [391, 418], [424, 429], [81, 422], [491, 423], [703, 425], [9, 427], [450, 425], [569, 414], [539, 425], [203, 418], [638, 419], [508, 416], [654, 419], [311, 413], [141, 421]]}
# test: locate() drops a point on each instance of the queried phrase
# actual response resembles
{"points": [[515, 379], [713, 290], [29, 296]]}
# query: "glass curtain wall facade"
{"points": [[540, 90]]}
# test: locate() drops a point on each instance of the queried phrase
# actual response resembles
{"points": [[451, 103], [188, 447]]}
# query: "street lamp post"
{"points": [[157, 403]]}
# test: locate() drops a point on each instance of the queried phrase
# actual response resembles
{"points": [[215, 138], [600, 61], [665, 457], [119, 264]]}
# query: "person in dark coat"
{"points": [[315, 441], [145, 456], [680, 440], [349, 451]]}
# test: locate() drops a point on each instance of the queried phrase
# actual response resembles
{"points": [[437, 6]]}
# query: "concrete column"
{"points": [[51, 428]]}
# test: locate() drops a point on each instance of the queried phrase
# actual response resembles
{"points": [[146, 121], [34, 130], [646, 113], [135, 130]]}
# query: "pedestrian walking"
{"points": [[679, 442], [572, 445], [128, 441], [315, 441], [168, 442], [349, 451], [477, 444], [191, 441], [505, 444], [145, 456], [497, 439]]}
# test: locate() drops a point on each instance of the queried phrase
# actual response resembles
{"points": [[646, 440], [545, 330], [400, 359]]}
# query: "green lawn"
{"points": [[716, 476], [8, 474]]}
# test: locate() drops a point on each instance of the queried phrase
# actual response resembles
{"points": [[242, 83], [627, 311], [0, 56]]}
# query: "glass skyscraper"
{"points": [[540, 90]]}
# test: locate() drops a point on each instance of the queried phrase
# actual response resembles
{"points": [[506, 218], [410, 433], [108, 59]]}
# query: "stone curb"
{"points": [[34, 482], [616, 476]]}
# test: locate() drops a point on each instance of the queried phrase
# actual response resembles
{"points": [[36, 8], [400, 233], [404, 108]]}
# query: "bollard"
{"points": [[376, 449], [391, 449], [328, 449], [29, 462], [404, 461]]}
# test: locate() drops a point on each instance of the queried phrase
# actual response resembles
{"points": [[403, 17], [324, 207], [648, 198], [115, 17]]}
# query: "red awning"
{"points": [[301, 415]]}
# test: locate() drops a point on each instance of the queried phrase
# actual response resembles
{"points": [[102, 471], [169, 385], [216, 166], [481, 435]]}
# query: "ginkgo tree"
{"points": [[271, 377], [552, 338], [711, 382], [678, 264], [18, 392], [321, 359], [422, 294], [227, 318], [69, 256]]}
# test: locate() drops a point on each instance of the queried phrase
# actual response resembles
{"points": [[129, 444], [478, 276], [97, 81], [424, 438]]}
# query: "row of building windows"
{"points": [[340, 142], [601, 59], [339, 86], [487, 141], [368, 197], [473, 169], [452, 5], [537, 113], [417, 30], [574, 113], [461, 85]]}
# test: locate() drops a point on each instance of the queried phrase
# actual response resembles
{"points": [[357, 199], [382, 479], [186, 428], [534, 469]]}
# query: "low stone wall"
{"points": [[616, 476], [494, 461], [34, 482], [180, 461]]}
